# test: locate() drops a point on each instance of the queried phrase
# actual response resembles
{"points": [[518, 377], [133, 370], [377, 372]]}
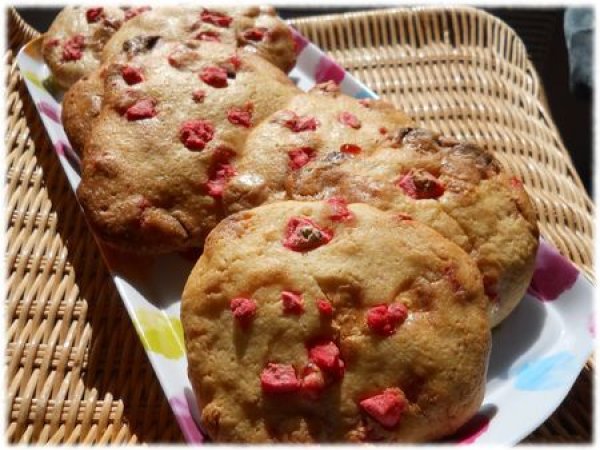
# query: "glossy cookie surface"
{"points": [[173, 119], [73, 45], [327, 322], [362, 151], [253, 29]]}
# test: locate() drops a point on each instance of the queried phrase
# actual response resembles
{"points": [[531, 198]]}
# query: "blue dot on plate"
{"points": [[545, 373], [363, 93]]}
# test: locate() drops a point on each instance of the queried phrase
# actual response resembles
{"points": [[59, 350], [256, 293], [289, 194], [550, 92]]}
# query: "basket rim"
{"points": [[480, 13]]}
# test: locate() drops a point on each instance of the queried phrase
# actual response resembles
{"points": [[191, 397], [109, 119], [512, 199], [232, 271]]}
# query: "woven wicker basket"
{"points": [[76, 371]]}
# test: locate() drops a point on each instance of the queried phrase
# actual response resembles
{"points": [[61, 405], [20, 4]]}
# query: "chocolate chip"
{"points": [[328, 87], [419, 139], [399, 135], [140, 44], [484, 161], [111, 22], [447, 141], [418, 135], [335, 157]]}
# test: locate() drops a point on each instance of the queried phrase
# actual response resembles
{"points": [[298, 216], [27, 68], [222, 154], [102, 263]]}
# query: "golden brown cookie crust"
{"points": [[479, 207], [437, 357], [264, 170], [275, 44], [82, 103], [80, 106], [142, 187], [73, 44], [354, 149]]}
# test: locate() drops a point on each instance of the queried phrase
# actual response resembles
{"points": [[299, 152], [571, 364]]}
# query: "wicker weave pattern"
{"points": [[76, 371]]}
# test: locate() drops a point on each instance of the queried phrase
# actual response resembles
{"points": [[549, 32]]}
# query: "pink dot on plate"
{"points": [[328, 70], [61, 147], [553, 274], [49, 111], [299, 41], [185, 420]]}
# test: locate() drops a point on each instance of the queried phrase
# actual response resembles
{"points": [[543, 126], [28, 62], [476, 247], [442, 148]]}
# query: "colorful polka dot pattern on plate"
{"points": [[299, 41], [474, 428], [30, 76], [65, 150], [60, 148]]}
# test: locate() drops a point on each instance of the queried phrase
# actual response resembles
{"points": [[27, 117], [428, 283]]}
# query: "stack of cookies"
{"points": [[353, 263]]}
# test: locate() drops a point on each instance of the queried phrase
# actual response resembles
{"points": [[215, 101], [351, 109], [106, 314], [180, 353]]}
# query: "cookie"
{"points": [[173, 120], [80, 106], [254, 29], [323, 123], [326, 322], [73, 45], [457, 188], [257, 29]]}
